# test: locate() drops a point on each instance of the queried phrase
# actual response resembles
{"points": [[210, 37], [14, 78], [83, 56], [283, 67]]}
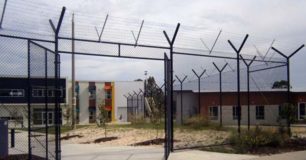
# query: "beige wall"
{"points": [[271, 115]]}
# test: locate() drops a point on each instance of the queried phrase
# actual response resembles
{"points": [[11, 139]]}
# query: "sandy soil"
{"points": [[129, 136]]}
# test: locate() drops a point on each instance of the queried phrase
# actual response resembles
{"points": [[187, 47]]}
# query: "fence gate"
{"points": [[168, 117], [43, 102]]}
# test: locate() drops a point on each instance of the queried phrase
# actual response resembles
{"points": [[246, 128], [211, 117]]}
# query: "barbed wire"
{"points": [[34, 17]]}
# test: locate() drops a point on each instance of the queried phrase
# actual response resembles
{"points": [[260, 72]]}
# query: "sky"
{"points": [[264, 21]]}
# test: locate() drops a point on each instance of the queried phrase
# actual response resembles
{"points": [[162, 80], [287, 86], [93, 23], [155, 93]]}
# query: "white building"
{"points": [[90, 95], [14, 98]]}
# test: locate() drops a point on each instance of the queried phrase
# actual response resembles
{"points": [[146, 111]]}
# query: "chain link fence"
{"points": [[13, 94], [27, 97]]}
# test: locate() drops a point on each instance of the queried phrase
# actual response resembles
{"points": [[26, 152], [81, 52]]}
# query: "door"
{"points": [[43, 75]]}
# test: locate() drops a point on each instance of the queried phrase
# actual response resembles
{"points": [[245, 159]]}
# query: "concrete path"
{"points": [[98, 152], [300, 155], [203, 155]]}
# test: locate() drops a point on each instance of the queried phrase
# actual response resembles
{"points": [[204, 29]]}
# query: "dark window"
{"points": [[92, 116], [37, 117], [260, 112], [37, 92], [213, 113], [302, 111], [77, 117], [235, 112], [50, 93], [281, 113], [40, 116], [108, 95]]}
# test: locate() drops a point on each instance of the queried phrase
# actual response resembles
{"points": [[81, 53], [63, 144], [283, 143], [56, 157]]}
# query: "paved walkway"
{"points": [[300, 155], [203, 155], [97, 152]]}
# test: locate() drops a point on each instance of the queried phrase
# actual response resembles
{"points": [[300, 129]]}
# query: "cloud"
{"points": [[263, 20]]}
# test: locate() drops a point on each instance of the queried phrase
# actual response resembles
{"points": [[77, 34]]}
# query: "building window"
{"points": [[281, 113], [37, 117], [235, 112], [302, 108], [260, 112], [92, 116], [38, 93], [11, 93], [108, 95], [213, 113], [50, 92], [77, 117], [41, 117]]}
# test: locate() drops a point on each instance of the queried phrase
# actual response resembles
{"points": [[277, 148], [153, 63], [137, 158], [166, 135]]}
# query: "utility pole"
{"points": [[73, 77], [220, 87]]}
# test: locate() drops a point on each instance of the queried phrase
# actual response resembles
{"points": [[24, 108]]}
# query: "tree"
{"points": [[67, 115], [280, 84], [156, 100], [102, 118], [288, 111]]}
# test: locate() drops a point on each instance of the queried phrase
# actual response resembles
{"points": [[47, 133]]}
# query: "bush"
{"points": [[197, 122], [137, 119], [256, 138]]}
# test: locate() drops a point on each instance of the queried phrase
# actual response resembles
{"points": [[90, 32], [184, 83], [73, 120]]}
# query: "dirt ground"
{"points": [[129, 136]]}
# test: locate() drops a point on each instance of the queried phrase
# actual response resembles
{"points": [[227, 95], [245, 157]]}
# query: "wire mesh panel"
{"points": [[42, 101], [206, 106], [135, 107], [13, 93]]}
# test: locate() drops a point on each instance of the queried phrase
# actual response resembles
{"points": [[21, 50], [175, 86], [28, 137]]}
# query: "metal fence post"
{"points": [[199, 88], [220, 88], [181, 87], [238, 77], [248, 85], [171, 43]]}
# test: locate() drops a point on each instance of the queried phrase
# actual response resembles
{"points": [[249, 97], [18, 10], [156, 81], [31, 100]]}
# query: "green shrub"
{"points": [[197, 122], [256, 138]]}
